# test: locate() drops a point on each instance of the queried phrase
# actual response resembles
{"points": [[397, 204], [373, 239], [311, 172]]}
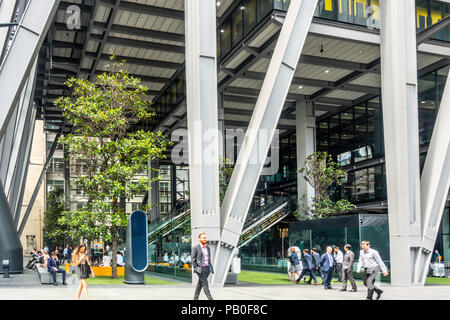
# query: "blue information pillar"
{"points": [[136, 254]]}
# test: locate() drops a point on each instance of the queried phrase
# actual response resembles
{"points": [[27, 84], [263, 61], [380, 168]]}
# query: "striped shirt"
{"points": [[371, 259]]}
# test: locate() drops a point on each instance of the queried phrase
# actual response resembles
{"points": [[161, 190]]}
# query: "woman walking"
{"points": [[81, 259]]}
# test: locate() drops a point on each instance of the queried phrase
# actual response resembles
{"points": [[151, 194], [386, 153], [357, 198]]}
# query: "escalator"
{"points": [[165, 226], [264, 218], [258, 220]]}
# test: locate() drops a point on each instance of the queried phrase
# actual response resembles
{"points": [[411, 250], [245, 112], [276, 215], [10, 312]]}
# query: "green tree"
{"points": [[321, 172], [105, 141], [225, 172], [55, 210]]}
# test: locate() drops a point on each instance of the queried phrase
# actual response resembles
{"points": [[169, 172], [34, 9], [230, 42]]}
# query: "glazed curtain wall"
{"points": [[249, 14], [355, 139]]}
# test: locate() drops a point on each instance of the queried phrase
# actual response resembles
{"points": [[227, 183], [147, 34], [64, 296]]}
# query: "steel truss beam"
{"points": [[19, 153], [6, 16], [434, 185], [109, 23], [427, 33], [39, 183], [22, 54], [202, 120], [258, 138], [147, 9], [149, 33]]}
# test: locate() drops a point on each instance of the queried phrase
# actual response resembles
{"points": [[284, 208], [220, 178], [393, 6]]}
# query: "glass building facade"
{"points": [[342, 230], [248, 15]]}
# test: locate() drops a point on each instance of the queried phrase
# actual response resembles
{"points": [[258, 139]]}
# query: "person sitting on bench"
{"points": [[34, 259], [53, 268]]}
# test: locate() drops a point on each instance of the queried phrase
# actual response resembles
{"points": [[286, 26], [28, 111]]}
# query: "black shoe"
{"points": [[297, 281], [379, 292], [353, 290], [343, 290], [64, 283], [55, 284]]}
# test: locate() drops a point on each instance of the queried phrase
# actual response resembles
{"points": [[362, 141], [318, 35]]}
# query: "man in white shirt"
{"points": [[339, 258], [371, 261], [119, 259]]}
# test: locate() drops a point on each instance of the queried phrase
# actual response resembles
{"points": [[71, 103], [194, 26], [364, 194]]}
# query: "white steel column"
{"points": [[202, 120], [434, 185], [22, 54], [261, 130], [401, 134], [6, 16], [306, 145], [221, 117]]}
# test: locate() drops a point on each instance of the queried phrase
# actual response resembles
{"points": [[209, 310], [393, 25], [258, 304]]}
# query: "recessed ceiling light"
{"points": [[242, 7], [423, 101], [300, 87], [327, 71], [222, 31], [218, 3]]}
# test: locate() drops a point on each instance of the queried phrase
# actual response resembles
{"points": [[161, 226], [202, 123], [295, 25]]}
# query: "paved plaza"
{"points": [[26, 286]]}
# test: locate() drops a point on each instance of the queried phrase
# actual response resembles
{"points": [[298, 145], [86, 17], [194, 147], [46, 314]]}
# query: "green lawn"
{"points": [[278, 278], [432, 280], [272, 278], [103, 280]]}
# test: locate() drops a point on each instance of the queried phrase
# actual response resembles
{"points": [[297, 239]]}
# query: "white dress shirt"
{"points": [[339, 257], [371, 259]]}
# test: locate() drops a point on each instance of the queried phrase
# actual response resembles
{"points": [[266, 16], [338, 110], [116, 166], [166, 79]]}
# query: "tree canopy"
{"points": [[108, 151]]}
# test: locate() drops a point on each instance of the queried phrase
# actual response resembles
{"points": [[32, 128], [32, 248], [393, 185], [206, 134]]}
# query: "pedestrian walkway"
{"points": [[26, 286]]}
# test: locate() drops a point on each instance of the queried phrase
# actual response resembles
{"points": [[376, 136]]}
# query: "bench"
{"points": [[44, 276]]}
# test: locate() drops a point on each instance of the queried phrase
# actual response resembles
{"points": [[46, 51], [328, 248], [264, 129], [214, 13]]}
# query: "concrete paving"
{"points": [[26, 286]]}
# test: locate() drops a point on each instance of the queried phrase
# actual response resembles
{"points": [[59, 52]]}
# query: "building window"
{"points": [[53, 184], [136, 206]]}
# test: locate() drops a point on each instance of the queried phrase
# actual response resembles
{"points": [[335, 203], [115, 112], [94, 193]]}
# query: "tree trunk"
{"points": [[114, 254]]}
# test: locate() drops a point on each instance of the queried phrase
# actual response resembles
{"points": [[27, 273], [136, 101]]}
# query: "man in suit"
{"points": [[327, 264], [53, 268], [308, 266], [347, 268], [316, 260], [202, 266]]}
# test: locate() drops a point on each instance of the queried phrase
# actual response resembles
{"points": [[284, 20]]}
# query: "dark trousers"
{"points": [[348, 275], [53, 272], [339, 271], [311, 275], [203, 283], [326, 279]]}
